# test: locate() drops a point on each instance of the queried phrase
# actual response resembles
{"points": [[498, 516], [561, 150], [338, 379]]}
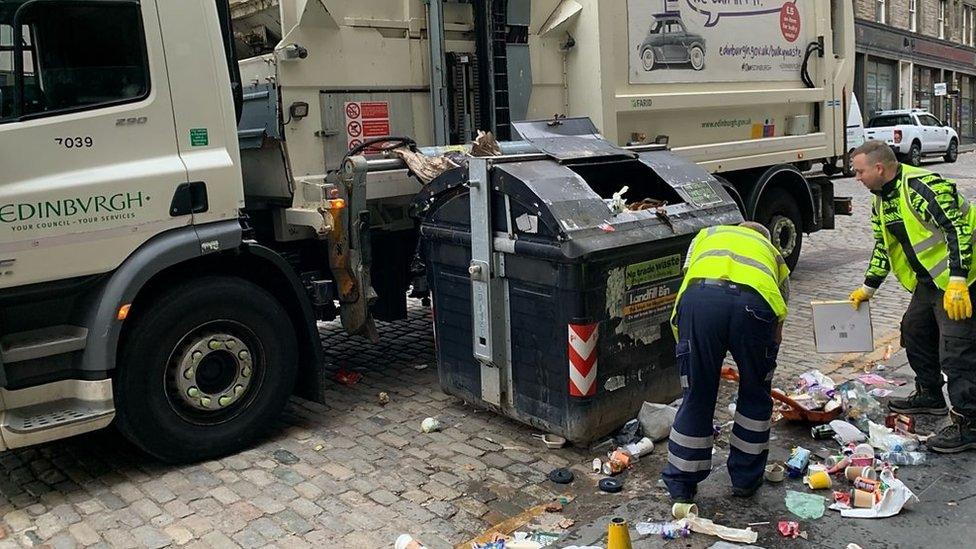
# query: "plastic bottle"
{"points": [[904, 458]]}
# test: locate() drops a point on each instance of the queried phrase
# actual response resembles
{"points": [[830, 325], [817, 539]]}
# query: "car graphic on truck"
{"points": [[668, 42]]}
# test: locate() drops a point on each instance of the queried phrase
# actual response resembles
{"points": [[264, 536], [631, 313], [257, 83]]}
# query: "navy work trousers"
{"points": [[715, 318]]}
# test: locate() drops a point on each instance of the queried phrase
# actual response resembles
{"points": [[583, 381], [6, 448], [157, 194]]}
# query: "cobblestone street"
{"points": [[355, 473]]}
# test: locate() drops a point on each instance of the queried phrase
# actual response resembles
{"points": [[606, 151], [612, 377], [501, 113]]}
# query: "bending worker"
{"points": [[923, 230], [733, 298]]}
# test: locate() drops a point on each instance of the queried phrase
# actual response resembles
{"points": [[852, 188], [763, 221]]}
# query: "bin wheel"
{"points": [[780, 214], [204, 368], [561, 476]]}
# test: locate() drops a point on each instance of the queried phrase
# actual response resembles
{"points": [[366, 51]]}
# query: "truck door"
{"points": [[87, 143]]}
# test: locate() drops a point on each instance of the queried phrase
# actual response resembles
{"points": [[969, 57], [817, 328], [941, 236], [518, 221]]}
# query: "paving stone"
{"points": [[383, 497], [146, 508], [151, 537], [179, 534], [178, 509], [62, 541], [293, 522], [267, 528], [216, 540], [224, 495], [84, 533], [249, 538], [304, 507]]}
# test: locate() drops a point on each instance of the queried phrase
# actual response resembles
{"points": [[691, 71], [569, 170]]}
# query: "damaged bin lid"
{"points": [[569, 139]]}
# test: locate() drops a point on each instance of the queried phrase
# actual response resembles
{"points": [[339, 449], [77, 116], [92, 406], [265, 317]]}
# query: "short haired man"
{"points": [[923, 230]]}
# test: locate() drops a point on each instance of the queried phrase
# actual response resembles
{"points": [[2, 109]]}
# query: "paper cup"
{"points": [[682, 510], [853, 472], [819, 480], [775, 472], [862, 500]]}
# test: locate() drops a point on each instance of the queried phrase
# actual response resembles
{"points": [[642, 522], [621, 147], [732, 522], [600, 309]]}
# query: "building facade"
{"points": [[918, 54]]}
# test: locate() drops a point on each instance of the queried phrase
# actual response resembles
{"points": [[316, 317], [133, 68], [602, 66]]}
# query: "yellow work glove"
{"points": [[860, 295], [956, 302]]}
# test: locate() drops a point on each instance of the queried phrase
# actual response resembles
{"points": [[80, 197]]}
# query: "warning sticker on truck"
{"points": [[366, 120]]}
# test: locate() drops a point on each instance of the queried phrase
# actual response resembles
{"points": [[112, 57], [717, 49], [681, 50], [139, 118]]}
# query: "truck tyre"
{"points": [[830, 168], [647, 59], [914, 156], [779, 213], [204, 369], [952, 153], [697, 56]]}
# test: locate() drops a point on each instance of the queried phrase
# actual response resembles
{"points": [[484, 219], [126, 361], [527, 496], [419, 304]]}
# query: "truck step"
{"points": [[54, 411], [61, 413], [43, 342]]}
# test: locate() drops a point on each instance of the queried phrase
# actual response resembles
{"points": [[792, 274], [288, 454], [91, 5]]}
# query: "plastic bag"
{"points": [[885, 440], [656, 420], [903, 458], [845, 433], [859, 406], [805, 506]]}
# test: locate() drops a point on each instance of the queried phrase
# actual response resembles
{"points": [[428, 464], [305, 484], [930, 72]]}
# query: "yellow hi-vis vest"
{"points": [[739, 255], [928, 239]]}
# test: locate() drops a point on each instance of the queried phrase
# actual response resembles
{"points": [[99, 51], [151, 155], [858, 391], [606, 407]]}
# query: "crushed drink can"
{"points": [[822, 432]]}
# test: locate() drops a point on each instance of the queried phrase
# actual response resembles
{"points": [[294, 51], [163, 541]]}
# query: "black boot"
{"points": [[922, 401], [957, 437]]}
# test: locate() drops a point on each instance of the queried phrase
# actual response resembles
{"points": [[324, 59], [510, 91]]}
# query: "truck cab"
{"points": [[128, 288]]}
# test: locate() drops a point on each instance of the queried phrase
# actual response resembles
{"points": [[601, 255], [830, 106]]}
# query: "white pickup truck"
{"points": [[914, 134]]}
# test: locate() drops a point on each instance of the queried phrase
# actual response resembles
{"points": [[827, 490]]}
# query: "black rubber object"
{"points": [[561, 476], [611, 485]]}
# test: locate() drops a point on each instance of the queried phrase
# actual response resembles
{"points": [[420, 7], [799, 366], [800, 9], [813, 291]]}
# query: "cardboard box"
{"points": [[838, 328]]}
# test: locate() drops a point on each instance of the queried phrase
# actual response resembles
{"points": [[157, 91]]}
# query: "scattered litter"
{"points": [[640, 448], [880, 393], [420, 367], [874, 379], [607, 228], [846, 433], [903, 458], [319, 447], [884, 439], [764, 523], [789, 529], [430, 425], [900, 423], [619, 462], [705, 526], [597, 465], [545, 538], [682, 510], [566, 524], [775, 472], [285, 457], [859, 406], [656, 420], [554, 507], [799, 459], [406, 541], [346, 377], [896, 497], [611, 485], [553, 442], [667, 530], [383, 399], [629, 433], [561, 476], [818, 480], [854, 545], [727, 545], [805, 506]]}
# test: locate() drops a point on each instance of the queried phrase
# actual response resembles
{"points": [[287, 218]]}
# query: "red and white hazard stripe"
{"points": [[583, 359]]}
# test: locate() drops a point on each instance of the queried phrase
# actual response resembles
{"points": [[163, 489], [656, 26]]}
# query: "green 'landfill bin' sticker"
{"points": [[199, 137]]}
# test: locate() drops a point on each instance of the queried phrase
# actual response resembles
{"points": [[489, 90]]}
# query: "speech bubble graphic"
{"points": [[714, 10]]}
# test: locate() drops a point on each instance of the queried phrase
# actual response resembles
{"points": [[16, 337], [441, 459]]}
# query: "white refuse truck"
{"points": [[173, 224]]}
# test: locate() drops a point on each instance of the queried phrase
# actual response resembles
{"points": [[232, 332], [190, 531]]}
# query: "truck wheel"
{"points": [[204, 369], [952, 153], [914, 156], [830, 168], [697, 58], [780, 214], [647, 59]]}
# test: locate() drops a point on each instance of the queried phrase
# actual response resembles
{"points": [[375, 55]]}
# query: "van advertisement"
{"points": [[688, 41]]}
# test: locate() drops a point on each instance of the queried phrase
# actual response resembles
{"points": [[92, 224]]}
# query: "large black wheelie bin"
{"points": [[551, 308]]}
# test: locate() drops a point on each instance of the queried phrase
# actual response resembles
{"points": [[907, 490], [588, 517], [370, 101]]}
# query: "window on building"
{"points": [[75, 58], [942, 18], [881, 11], [967, 24], [913, 15]]}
